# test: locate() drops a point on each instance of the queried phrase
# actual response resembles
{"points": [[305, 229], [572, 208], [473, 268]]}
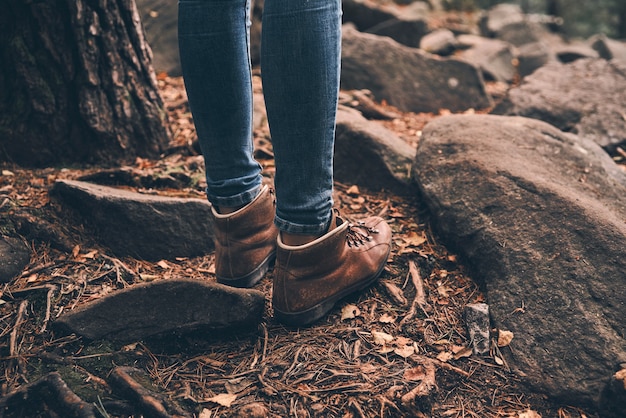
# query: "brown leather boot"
{"points": [[245, 241], [309, 279]]}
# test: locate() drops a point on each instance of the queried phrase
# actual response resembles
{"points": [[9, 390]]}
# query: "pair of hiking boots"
{"points": [[308, 279]]}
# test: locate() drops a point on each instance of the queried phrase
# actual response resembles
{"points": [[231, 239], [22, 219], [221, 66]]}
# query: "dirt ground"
{"points": [[398, 349]]}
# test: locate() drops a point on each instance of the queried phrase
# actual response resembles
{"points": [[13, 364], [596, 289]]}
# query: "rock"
{"points": [[369, 155], [139, 225], [365, 14], [530, 57], [478, 326], [408, 78], [519, 33], [160, 22], [585, 97], [576, 51], [608, 48], [539, 216], [165, 307], [493, 57], [407, 27], [15, 256], [440, 42], [498, 17]]}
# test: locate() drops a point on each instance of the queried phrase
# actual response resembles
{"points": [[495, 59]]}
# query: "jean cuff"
{"points": [[301, 229], [240, 199]]}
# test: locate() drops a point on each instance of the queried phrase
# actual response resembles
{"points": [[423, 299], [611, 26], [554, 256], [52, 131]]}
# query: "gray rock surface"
{"points": [[585, 97], [609, 48], [477, 322], [369, 155], [538, 214], [14, 256], [440, 42], [139, 225], [492, 56], [408, 78], [165, 307]]}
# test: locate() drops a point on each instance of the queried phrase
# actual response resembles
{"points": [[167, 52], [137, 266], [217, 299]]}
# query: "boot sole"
{"points": [[316, 312], [251, 278]]}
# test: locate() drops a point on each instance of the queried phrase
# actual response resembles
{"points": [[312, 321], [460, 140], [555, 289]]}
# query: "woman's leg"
{"points": [[214, 51], [300, 65]]}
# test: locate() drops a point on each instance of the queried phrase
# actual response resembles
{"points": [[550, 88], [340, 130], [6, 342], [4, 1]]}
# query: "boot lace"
{"points": [[359, 233]]}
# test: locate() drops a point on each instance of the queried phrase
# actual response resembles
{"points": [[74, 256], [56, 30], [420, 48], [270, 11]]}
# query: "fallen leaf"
{"points": [[148, 277], [7, 173], [163, 264], [350, 312], [381, 338], [75, 251], [400, 341], [353, 190], [387, 319], [621, 375], [415, 373], [405, 351], [529, 413], [504, 338], [224, 399], [463, 352], [206, 413], [414, 239], [498, 361], [444, 356]]}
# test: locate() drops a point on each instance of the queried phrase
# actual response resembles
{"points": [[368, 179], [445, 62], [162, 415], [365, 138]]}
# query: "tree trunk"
{"points": [[77, 84]]}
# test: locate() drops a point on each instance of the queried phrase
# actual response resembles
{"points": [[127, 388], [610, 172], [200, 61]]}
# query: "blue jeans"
{"points": [[300, 66]]}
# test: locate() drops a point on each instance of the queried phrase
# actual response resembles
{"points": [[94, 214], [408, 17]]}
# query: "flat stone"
{"points": [[138, 225], [15, 255], [165, 307]]}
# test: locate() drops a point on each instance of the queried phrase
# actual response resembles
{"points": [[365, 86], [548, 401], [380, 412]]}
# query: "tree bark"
{"points": [[77, 84]]}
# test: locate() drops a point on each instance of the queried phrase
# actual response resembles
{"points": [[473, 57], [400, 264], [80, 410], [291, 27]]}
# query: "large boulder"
{"points": [[538, 215], [585, 97], [139, 225], [408, 78]]}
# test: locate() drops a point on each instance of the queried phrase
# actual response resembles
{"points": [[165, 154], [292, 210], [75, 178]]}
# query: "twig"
{"points": [[420, 295], [18, 322], [46, 318]]}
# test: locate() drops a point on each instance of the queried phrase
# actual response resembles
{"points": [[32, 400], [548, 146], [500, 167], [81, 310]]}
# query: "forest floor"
{"points": [[398, 349]]}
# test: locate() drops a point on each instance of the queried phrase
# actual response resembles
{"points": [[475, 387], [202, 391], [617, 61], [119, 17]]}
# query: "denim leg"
{"points": [[300, 65], [214, 52]]}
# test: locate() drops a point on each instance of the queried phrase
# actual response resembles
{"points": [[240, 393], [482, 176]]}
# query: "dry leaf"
{"points": [[400, 341], [621, 375], [163, 264], [381, 338], [416, 373], [206, 413], [148, 277], [405, 351], [414, 239], [75, 251], [350, 312], [504, 338], [224, 399], [444, 356], [387, 319], [353, 190], [529, 413], [91, 254], [498, 361], [463, 352]]}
